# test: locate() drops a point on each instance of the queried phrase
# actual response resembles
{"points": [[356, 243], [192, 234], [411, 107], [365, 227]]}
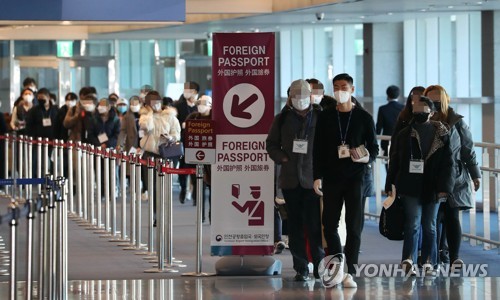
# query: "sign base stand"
{"points": [[248, 265]]}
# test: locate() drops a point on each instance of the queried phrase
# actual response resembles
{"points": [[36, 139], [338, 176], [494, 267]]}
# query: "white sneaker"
{"points": [[348, 281], [144, 196], [457, 265], [408, 267], [429, 270]]}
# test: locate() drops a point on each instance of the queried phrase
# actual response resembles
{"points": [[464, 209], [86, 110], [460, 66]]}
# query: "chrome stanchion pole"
{"points": [[69, 149], [29, 248], [98, 163], [85, 197], [79, 177], [6, 159], [55, 162], [20, 149], [131, 245], [160, 219], [91, 184], [123, 194], [151, 192], [61, 242], [27, 166], [199, 232], [39, 162], [138, 206], [14, 165], [51, 232], [29, 160], [46, 158], [13, 244], [112, 167], [107, 226], [170, 263], [42, 242]]}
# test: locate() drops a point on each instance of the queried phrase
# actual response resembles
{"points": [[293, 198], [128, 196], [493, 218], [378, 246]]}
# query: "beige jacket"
{"points": [[157, 124]]}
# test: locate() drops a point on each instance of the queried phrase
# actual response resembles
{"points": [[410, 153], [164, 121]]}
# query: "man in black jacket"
{"points": [[344, 144], [185, 106]]}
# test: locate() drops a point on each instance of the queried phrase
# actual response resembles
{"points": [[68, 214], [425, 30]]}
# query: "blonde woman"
{"points": [[466, 169]]}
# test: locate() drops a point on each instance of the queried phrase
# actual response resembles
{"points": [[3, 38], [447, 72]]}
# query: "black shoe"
{"points": [[301, 277], [182, 196], [154, 223], [444, 256]]}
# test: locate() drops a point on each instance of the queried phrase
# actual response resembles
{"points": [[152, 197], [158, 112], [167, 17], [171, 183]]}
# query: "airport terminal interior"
{"points": [[88, 232]]}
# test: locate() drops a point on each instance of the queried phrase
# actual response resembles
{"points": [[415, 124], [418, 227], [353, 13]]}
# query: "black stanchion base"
{"points": [[248, 266]]}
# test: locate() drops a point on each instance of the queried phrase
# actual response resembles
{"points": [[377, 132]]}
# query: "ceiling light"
{"points": [[389, 13], [450, 7], [65, 23], [361, 17]]}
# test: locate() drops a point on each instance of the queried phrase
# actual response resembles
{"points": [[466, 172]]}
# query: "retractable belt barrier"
{"points": [[92, 170]]}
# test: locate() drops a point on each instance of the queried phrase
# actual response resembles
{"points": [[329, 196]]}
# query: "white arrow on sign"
{"points": [[244, 105]]}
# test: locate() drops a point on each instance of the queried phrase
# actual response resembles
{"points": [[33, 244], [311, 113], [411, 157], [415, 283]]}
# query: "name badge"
{"points": [[103, 138], [417, 166], [141, 133], [46, 122], [344, 151], [300, 146]]}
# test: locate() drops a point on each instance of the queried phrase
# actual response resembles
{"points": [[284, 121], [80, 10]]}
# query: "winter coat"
{"points": [[288, 126], [439, 172], [157, 124], [78, 121], [111, 127], [34, 122], [466, 167], [129, 136]]}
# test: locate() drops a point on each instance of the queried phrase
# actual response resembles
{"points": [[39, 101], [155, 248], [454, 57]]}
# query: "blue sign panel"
{"points": [[94, 10]]}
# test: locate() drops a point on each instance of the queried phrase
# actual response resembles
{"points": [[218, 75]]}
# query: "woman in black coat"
{"points": [[421, 169]]}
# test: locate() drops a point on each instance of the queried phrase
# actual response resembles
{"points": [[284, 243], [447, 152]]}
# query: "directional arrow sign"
{"points": [[200, 155], [244, 105]]}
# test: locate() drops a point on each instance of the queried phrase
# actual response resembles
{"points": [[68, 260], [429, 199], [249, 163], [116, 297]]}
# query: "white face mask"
{"points": [[342, 96], [187, 95], [135, 108], [71, 103], [102, 109], [301, 104], [203, 108], [156, 106], [28, 98], [142, 95], [89, 107], [316, 99]]}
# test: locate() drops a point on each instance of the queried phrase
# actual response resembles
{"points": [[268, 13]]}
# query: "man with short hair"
{"points": [[344, 144], [387, 116], [185, 106]]}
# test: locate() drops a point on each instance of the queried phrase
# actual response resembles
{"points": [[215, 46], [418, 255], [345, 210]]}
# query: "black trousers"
{"points": [[145, 179], [451, 230], [303, 210], [335, 194]]}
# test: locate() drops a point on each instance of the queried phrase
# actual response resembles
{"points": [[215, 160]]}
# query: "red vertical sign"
{"points": [[243, 75]]}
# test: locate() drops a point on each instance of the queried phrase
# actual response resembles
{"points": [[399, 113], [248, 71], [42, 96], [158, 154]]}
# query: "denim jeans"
{"points": [[416, 214]]}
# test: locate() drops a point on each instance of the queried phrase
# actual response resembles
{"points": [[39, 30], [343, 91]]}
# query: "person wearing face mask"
{"points": [[157, 124], [290, 144], [60, 132], [344, 144], [104, 131], [80, 118], [421, 171], [130, 132], [121, 107], [40, 122], [204, 106], [467, 174], [185, 106], [20, 111], [317, 91]]}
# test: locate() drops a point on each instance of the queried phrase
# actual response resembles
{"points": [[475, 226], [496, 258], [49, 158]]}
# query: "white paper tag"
{"points": [[416, 166], [103, 138], [141, 133], [46, 122], [300, 146], [344, 151]]}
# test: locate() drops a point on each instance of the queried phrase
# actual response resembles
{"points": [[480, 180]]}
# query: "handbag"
{"points": [[392, 221], [171, 150]]}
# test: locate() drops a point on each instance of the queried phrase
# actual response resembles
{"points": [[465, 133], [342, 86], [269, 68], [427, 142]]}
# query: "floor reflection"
{"points": [[277, 288]]}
